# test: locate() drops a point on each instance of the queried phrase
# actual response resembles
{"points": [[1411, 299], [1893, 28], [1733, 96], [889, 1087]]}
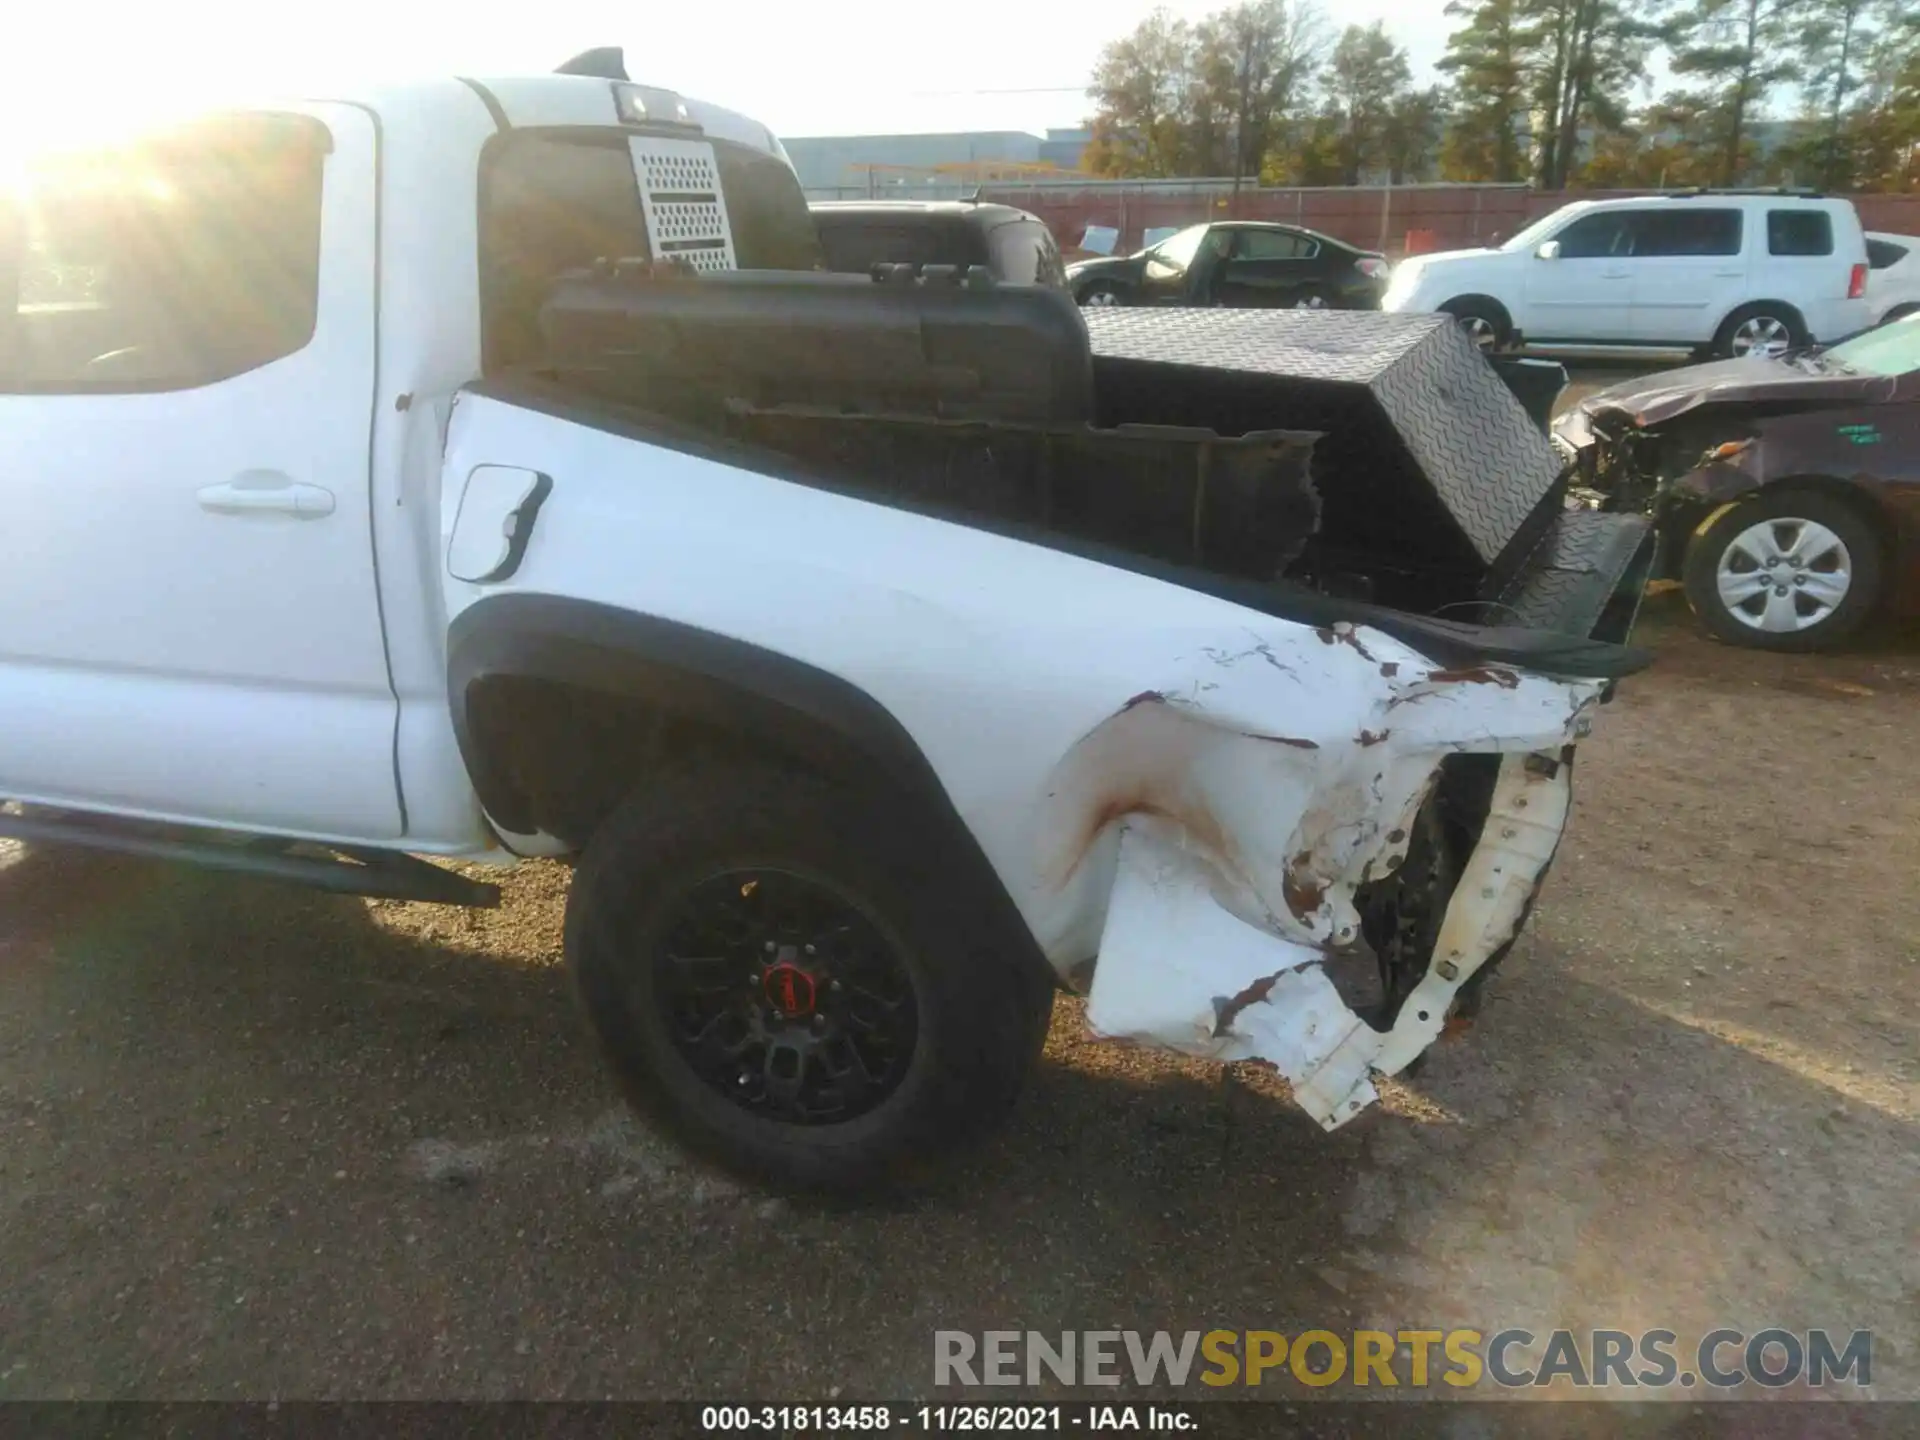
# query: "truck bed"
{"points": [[1374, 460]]}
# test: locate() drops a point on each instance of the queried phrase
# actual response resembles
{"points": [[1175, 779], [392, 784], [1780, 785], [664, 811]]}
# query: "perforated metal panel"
{"points": [[680, 195]]}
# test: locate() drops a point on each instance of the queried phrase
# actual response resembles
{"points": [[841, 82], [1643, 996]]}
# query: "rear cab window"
{"points": [[181, 260], [855, 244], [554, 201], [1799, 232]]}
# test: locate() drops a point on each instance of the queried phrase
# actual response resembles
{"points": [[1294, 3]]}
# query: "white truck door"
{"points": [[187, 365]]}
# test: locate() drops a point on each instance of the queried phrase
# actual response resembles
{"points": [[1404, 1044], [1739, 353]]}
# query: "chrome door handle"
{"points": [[266, 492]]}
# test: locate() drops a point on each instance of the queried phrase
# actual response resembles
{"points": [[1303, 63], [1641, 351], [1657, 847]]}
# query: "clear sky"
{"points": [[804, 67]]}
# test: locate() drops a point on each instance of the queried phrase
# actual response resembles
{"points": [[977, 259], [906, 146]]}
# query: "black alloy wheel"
{"points": [[780, 993]]}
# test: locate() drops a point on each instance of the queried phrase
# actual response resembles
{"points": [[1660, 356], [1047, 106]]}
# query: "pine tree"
{"points": [[1579, 58], [1739, 50], [1555, 68], [1484, 63]]}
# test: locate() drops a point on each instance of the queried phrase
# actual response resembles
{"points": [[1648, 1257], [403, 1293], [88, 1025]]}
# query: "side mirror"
{"points": [[1548, 251]]}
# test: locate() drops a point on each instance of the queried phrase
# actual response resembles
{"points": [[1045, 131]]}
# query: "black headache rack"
{"points": [[1314, 466]]}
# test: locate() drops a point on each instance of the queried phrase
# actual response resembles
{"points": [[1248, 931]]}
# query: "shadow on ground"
{"points": [[259, 1142]]}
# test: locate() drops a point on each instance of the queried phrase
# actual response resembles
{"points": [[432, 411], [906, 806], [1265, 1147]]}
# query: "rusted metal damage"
{"points": [[1475, 675], [1341, 633], [1226, 1011], [1211, 858], [1304, 892]]}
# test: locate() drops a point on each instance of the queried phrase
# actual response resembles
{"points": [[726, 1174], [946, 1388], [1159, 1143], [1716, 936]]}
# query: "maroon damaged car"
{"points": [[1787, 492]]}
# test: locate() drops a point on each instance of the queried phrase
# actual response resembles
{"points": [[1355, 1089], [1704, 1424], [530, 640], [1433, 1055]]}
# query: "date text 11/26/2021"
{"points": [[947, 1419]]}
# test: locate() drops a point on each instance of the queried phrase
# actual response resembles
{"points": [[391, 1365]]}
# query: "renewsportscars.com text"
{"points": [[1512, 1358]]}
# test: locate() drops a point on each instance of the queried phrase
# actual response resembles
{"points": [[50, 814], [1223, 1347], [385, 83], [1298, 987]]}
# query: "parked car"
{"points": [[1014, 246], [1726, 273], [1787, 491], [1894, 287], [1242, 264]]}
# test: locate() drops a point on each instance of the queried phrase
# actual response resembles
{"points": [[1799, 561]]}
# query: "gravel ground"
{"points": [[258, 1142]]}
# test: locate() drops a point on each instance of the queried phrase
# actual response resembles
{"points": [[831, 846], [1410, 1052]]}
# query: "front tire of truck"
{"points": [[783, 978]]}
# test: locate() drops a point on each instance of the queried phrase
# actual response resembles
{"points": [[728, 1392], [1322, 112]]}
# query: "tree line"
{"points": [[1558, 93]]}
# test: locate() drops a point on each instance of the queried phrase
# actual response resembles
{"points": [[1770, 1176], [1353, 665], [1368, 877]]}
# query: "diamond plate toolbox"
{"points": [[1426, 455]]}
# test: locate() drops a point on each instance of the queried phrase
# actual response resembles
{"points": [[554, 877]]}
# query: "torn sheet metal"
{"points": [[1217, 836]]}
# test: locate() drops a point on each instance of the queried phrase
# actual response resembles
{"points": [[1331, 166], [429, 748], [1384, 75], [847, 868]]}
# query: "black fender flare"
{"points": [[760, 695]]}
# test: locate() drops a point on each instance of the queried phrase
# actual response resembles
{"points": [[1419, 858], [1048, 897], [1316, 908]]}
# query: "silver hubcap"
{"points": [[1311, 302], [1100, 299], [1762, 336], [1479, 330], [1784, 575]]}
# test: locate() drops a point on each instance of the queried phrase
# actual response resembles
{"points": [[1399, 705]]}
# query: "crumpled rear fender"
{"points": [[1208, 840]]}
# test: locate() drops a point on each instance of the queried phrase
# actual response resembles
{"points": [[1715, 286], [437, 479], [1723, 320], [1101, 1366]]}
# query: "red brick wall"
{"points": [[1453, 217]]}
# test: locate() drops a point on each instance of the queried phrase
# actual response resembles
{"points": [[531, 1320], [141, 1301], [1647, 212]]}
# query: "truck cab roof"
{"points": [[446, 104]]}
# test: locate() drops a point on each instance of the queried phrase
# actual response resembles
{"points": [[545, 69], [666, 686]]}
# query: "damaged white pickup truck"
{"points": [[478, 470]]}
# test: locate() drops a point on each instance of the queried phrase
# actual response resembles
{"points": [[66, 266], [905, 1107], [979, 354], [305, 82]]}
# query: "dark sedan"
{"points": [[1787, 491], [1241, 264]]}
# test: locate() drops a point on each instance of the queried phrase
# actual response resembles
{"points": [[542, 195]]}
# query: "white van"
{"points": [[1727, 272]]}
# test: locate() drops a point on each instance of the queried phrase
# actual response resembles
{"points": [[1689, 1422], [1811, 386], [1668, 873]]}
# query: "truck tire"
{"points": [[785, 977], [1820, 550]]}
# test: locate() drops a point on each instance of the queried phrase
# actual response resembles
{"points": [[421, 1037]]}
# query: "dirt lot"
{"points": [[256, 1142], [259, 1142]]}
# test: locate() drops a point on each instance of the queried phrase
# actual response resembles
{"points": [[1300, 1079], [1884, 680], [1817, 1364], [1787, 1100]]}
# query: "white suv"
{"points": [[1732, 272]]}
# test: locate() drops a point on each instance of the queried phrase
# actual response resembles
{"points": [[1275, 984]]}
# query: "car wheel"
{"points": [[1100, 295], [783, 976], [1790, 570], [1313, 297], [1765, 331], [1486, 321]]}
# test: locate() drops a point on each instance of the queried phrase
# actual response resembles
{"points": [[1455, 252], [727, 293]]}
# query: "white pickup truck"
{"points": [[333, 545]]}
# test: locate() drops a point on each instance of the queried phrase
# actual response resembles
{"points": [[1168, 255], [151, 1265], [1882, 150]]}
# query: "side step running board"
{"points": [[343, 869]]}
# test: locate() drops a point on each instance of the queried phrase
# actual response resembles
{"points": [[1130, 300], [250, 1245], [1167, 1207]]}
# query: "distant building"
{"points": [[929, 166]]}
